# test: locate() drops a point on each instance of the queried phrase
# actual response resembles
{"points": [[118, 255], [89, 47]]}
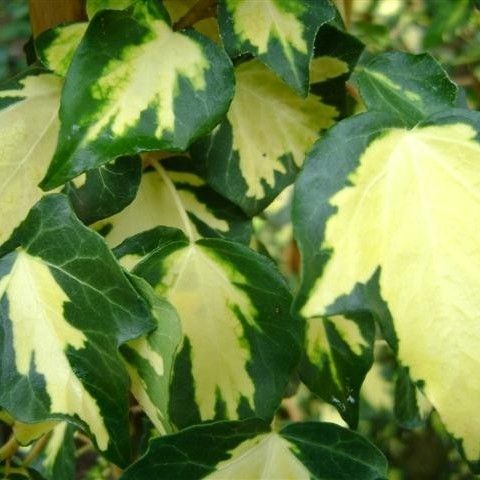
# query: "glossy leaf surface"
{"points": [[377, 215], [248, 450], [134, 84], [65, 306], [28, 133], [245, 326], [279, 33]]}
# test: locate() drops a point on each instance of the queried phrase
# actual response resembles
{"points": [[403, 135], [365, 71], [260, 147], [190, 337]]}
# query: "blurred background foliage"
{"points": [[415, 444], [448, 29], [14, 33]]}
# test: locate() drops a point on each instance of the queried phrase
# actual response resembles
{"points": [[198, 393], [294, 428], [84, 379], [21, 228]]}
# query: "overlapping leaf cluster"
{"points": [[133, 158]]}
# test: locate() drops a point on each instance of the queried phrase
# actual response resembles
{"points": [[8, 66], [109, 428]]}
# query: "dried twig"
{"points": [[202, 9]]}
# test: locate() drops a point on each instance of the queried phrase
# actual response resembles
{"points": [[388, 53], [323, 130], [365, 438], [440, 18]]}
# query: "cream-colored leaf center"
{"points": [[258, 21], [269, 121], [267, 456], [28, 136], [160, 202], [147, 76], [41, 336], [212, 326], [60, 52], [411, 210]]}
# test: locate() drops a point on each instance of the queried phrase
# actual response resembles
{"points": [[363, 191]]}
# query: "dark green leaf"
{"points": [[106, 190]]}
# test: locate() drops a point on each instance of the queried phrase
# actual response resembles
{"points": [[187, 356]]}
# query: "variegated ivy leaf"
{"points": [[250, 450], [65, 306], [338, 355], [28, 134], [280, 33], [401, 84], [383, 216], [149, 359], [134, 84], [234, 310], [55, 47], [106, 190], [170, 194], [257, 150]]}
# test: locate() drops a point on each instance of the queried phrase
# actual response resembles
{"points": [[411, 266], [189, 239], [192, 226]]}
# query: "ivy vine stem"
{"points": [[36, 450], [8, 449], [201, 10]]}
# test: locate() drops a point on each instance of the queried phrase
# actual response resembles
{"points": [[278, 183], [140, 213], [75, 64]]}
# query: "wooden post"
{"points": [[45, 14]]}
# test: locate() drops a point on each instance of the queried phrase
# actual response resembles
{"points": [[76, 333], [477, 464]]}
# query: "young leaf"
{"points": [[106, 190], [171, 194], [279, 33], [65, 306], [338, 355], [28, 133], [376, 213], [249, 450], [234, 310], [55, 47], [149, 358], [249, 163], [134, 84], [401, 84]]}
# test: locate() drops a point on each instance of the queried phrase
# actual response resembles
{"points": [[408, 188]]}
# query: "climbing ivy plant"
{"points": [[134, 295]]}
